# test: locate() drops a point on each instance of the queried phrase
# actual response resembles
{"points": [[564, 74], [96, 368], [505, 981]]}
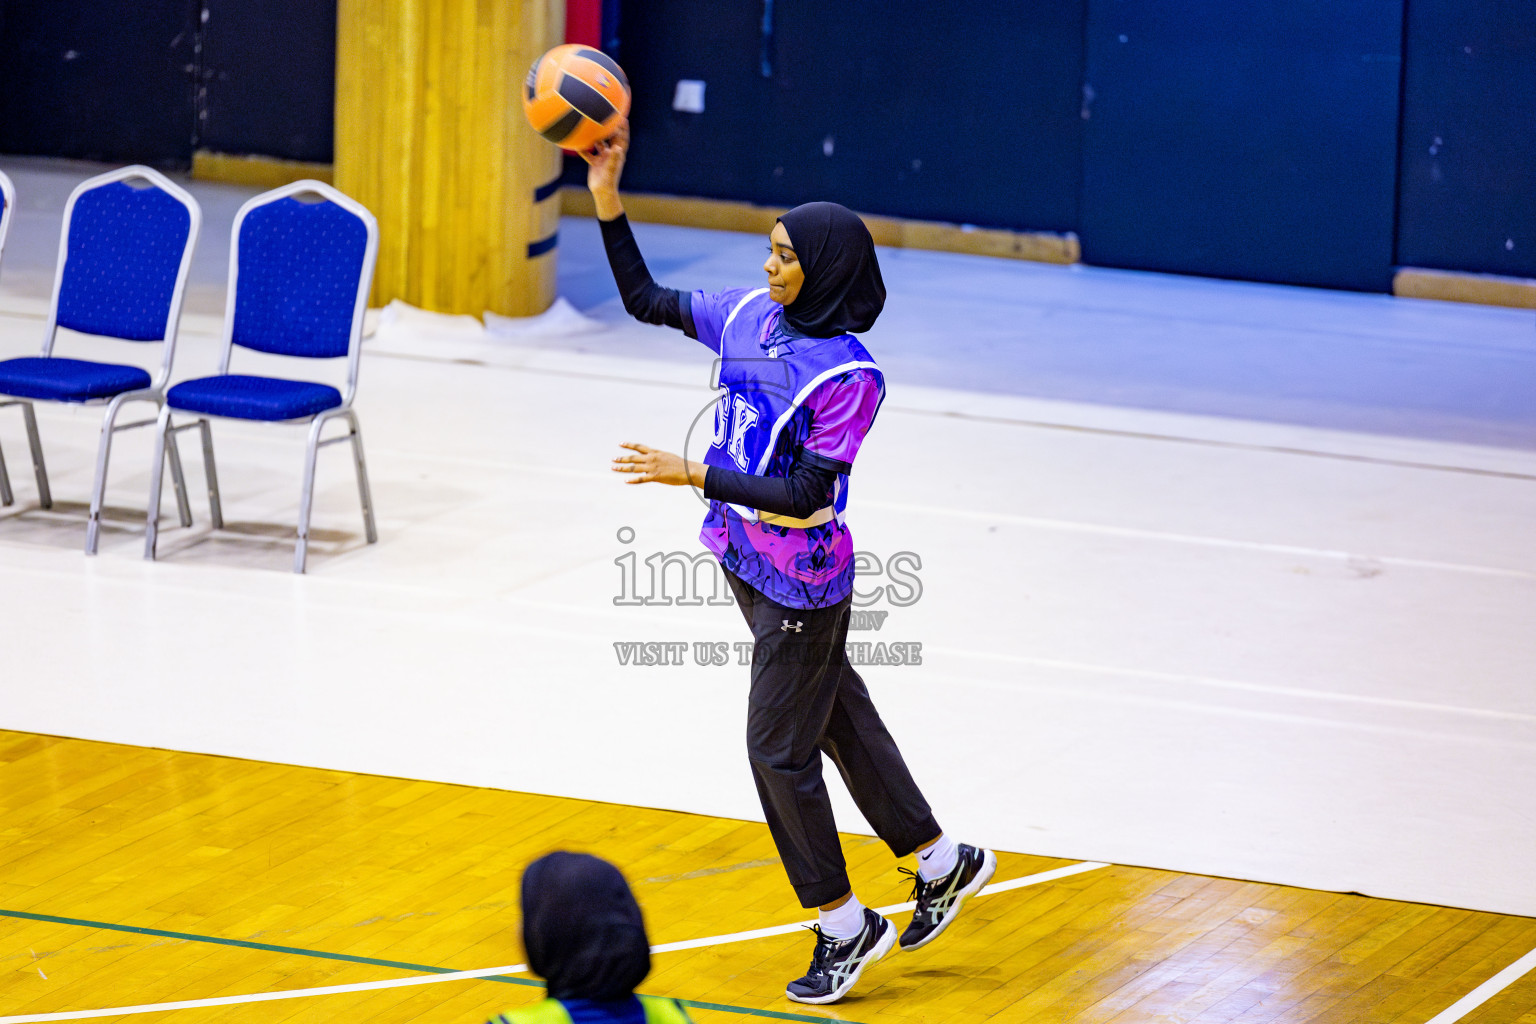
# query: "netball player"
{"points": [[801, 393]]}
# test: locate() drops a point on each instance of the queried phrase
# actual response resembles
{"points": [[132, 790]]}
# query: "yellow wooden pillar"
{"points": [[430, 136]]}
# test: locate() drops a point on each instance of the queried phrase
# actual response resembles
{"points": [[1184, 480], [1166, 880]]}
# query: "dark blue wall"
{"points": [[1468, 186], [151, 82], [1246, 140], [82, 79], [1311, 141], [893, 106], [269, 78], [1256, 141], [718, 153]]}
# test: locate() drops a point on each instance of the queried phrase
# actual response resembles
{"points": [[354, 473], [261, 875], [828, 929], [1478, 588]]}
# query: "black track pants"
{"points": [[806, 699]]}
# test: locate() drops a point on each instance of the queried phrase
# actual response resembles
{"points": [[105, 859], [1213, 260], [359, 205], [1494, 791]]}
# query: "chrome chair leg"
{"points": [[307, 494], [156, 484], [178, 479], [215, 507], [99, 486], [363, 491], [44, 495], [7, 497]]}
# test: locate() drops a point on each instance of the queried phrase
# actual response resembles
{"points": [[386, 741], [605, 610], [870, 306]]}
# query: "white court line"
{"points": [[485, 972], [1138, 533], [1231, 684], [895, 908], [693, 384], [1486, 991], [1364, 561], [263, 997]]}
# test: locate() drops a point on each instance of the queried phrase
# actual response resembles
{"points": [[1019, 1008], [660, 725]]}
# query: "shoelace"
{"points": [[918, 885], [823, 950]]}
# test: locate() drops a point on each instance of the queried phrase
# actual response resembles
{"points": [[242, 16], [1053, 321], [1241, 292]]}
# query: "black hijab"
{"points": [[582, 928], [843, 292]]}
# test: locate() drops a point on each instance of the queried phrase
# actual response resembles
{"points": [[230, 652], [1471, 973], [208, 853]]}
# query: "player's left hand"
{"points": [[652, 466]]}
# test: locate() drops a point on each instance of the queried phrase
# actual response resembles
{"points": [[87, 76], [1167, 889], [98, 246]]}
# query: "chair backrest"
{"points": [[124, 254], [7, 208], [300, 266]]}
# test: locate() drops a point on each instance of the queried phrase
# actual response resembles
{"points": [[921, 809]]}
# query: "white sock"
{"points": [[845, 922], [938, 860]]}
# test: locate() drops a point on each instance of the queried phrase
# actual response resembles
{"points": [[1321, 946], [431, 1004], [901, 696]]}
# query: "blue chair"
{"points": [[300, 266], [7, 205], [123, 259]]}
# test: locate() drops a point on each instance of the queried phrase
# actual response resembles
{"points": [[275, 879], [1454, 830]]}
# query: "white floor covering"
{"points": [[1272, 650]]}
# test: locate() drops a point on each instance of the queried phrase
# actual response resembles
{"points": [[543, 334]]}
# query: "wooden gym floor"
{"points": [[133, 876]]}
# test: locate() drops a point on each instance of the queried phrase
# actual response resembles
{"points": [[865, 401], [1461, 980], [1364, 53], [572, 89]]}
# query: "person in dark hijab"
{"points": [[843, 292], [800, 393], [586, 938]]}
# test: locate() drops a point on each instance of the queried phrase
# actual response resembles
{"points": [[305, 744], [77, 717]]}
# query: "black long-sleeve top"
{"points": [[808, 487]]}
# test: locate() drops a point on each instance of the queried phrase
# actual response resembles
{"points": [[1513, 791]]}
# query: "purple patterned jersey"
{"points": [[784, 393]]}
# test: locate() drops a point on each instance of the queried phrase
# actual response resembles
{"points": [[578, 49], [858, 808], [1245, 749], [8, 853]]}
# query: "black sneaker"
{"points": [[837, 963], [939, 901]]}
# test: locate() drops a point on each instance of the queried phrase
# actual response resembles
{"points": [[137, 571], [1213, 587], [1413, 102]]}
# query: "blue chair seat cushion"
{"points": [[253, 398], [68, 380]]}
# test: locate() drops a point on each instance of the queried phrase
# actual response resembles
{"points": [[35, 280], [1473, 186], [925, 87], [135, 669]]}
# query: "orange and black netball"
{"points": [[575, 96]]}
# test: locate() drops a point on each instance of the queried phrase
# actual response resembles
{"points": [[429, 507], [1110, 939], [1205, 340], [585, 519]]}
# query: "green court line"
{"points": [[775, 1014], [268, 947], [264, 946]]}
